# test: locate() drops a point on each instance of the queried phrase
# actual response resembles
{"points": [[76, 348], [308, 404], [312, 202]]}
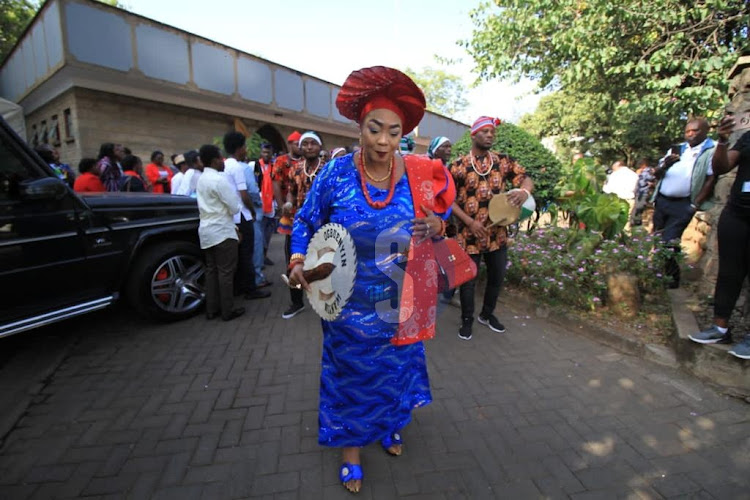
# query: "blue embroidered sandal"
{"points": [[350, 472], [391, 440]]}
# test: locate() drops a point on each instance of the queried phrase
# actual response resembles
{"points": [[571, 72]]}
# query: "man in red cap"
{"points": [[478, 176], [283, 166], [281, 175]]}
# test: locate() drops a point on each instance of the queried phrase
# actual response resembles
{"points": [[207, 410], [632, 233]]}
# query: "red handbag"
{"points": [[456, 266]]}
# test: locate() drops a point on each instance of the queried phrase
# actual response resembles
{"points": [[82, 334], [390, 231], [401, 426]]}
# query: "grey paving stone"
{"points": [[210, 410], [275, 483], [191, 492], [49, 473], [115, 459]]}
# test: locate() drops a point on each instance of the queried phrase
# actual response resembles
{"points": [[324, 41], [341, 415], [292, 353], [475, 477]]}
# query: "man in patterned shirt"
{"points": [[282, 166], [478, 176], [300, 179]]}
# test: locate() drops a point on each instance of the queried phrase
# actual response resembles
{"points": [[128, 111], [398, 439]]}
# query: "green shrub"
{"points": [[559, 264], [578, 195], [540, 164], [252, 144]]}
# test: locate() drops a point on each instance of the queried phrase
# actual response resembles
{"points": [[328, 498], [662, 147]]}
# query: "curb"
{"points": [[710, 362]]}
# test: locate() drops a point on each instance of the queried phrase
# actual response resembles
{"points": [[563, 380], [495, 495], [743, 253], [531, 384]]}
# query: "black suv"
{"points": [[63, 254]]}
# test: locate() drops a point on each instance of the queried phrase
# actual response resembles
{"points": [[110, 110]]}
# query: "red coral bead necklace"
{"points": [[378, 205]]}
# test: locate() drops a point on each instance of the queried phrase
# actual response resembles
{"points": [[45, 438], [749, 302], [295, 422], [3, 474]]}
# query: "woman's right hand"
{"points": [[725, 128], [478, 229], [296, 277]]}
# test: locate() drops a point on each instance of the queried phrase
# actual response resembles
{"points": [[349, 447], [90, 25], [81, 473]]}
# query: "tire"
{"points": [[167, 281]]}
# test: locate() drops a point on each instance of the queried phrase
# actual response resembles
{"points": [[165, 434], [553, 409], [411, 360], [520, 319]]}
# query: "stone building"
{"points": [[87, 73]]}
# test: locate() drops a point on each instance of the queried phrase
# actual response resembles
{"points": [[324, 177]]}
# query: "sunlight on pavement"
{"points": [[626, 383], [600, 448]]}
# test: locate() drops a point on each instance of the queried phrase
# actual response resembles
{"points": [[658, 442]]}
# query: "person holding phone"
{"points": [[733, 235], [685, 184]]}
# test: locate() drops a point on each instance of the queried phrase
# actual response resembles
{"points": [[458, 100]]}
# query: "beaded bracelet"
{"points": [[441, 232], [296, 258]]}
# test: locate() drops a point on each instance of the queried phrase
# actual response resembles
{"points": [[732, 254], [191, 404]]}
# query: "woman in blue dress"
{"points": [[369, 385]]}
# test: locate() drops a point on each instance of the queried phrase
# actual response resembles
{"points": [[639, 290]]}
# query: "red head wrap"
{"points": [[294, 137], [381, 88], [484, 122]]}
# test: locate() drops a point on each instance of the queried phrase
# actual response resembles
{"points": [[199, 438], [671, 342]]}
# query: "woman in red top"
{"points": [[88, 181], [132, 168], [158, 174]]}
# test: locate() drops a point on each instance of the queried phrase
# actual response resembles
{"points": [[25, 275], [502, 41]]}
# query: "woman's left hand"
{"points": [[517, 197], [426, 227]]}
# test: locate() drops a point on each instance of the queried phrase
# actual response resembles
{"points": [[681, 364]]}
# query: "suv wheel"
{"points": [[167, 281]]}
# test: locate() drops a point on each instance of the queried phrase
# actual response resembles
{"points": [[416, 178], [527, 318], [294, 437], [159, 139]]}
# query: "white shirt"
{"points": [[622, 183], [235, 172], [189, 183], [218, 201], [177, 180], [677, 180]]}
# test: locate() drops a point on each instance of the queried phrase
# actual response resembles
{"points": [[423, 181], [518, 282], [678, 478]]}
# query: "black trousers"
{"points": [[244, 280], [496, 262], [221, 264], [295, 294], [671, 217], [734, 260]]}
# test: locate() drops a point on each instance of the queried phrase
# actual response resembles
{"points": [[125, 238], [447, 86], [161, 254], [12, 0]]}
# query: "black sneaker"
{"points": [[267, 261], [492, 323], [257, 294], [464, 333], [293, 311], [234, 313]]}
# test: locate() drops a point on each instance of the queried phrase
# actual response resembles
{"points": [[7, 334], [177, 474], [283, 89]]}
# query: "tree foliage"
{"points": [[444, 92], [592, 123], [15, 15], [632, 69], [540, 164]]}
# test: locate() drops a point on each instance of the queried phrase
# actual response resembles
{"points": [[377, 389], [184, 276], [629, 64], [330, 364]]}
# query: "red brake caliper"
{"points": [[160, 276]]}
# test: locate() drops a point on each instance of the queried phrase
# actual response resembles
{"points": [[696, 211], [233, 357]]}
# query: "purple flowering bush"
{"points": [[571, 265]]}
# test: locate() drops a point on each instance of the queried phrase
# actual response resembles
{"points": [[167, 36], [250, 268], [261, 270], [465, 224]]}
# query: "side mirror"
{"points": [[47, 188]]}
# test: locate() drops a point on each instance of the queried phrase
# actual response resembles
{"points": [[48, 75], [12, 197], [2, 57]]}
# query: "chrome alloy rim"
{"points": [[177, 285]]}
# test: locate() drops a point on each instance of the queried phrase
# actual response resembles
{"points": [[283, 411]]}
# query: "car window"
{"points": [[13, 170]]}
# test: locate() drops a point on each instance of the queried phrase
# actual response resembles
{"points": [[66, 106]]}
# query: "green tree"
{"points": [[592, 123], [15, 15], [443, 91], [540, 164], [646, 64]]}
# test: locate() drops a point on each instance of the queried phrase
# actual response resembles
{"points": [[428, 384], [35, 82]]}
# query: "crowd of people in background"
{"points": [[272, 187], [681, 185], [267, 188]]}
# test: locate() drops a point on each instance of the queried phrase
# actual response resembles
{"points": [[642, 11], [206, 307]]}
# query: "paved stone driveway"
{"points": [[216, 410]]}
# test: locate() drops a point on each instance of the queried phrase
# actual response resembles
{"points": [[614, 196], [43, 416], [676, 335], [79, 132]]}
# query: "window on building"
{"points": [[54, 134], [34, 136], [44, 133], [68, 125]]}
